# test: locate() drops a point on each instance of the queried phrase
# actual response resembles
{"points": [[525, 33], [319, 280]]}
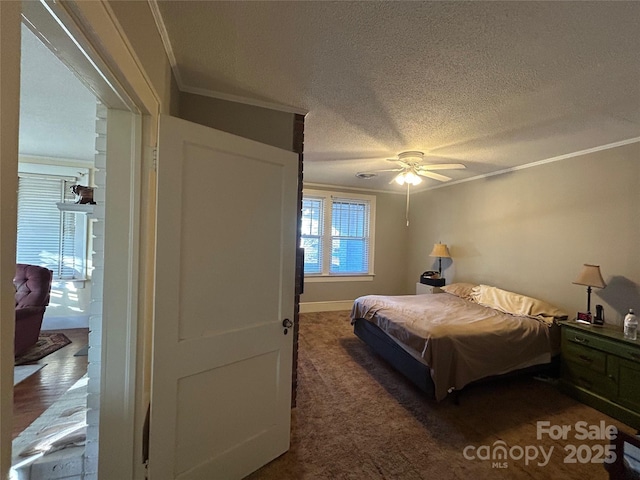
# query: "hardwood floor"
{"points": [[34, 395]]}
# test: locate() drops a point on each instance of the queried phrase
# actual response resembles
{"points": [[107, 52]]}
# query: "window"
{"points": [[47, 236], [337, 233]]}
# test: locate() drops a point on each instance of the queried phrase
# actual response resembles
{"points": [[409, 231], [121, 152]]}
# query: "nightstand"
{"points": [[421, 288], [601, 368]]}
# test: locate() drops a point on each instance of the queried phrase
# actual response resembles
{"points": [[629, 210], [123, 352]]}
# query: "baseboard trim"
{"points": [[61, 322], [334, 306]]}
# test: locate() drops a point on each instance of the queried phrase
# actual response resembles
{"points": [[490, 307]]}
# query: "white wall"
{"points": [[69, 306], [531, 230]]}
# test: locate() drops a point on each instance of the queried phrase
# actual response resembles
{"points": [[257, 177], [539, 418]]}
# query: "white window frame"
{"points": [[327, 197], [81, 175]]}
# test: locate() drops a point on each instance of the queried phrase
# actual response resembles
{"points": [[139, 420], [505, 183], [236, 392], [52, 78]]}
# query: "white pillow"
{"points": [[460, 289], [516, 304]]}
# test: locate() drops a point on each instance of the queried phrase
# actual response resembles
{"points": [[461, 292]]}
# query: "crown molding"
{"points": [[164, 36], [356, 189], [166, 42], [244, 100], [537, 163]]}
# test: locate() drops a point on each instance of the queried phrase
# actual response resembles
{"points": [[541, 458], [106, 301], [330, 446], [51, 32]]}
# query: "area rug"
{"points": [[48, 342], [22, 372]]}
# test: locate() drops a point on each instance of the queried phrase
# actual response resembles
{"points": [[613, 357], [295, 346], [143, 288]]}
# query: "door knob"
{"points": [[287, 324]]}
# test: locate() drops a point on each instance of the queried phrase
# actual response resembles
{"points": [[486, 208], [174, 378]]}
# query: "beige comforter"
{"points": [[460, 340]]}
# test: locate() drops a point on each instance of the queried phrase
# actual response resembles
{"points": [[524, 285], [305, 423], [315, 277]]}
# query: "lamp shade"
{"points": [[440, 250], [590, 276]]}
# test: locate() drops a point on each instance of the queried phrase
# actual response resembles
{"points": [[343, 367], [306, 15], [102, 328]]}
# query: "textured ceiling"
{"points": [[490, 84], [57, 112]]}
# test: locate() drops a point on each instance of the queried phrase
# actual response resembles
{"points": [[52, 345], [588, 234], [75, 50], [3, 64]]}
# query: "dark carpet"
{"points": [[357, 418], [48, 342]]}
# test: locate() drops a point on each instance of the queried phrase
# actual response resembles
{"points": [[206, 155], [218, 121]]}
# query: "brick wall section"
{"points": [[298, 147]]}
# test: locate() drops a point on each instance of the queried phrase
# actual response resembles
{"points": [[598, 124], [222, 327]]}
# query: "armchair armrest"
{"points": [[28, 323], [29, 312]]}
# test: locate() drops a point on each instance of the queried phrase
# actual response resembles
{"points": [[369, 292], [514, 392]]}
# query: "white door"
{"points": [[225, 262]]}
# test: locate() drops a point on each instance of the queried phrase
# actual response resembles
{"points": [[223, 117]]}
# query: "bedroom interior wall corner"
{"points": [[423, 232]]}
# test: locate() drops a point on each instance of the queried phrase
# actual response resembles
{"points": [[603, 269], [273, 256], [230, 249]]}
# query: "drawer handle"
{"points": [[612, 378], [585, 358], [580, 340], [635, 355]]}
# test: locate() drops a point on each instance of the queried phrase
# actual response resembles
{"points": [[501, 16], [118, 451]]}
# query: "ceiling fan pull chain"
{"points": [[407, 212]]}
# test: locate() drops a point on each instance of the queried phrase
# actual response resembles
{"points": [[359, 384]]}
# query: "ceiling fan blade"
{"points": [[385, 170], [393, 180], [442, 166], [401, 162], [435, 176]]}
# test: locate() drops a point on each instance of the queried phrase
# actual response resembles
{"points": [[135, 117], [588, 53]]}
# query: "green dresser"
{"points": [[602, 369]]}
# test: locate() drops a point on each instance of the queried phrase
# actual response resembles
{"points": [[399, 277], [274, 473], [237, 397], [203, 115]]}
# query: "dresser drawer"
{"points": [[629, 352], [584, 356], [629, 379], [576, 337], [602, 369], [587, 378]]}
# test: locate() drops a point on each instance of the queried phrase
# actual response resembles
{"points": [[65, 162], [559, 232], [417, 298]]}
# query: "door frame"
{"points": [[93, 27]]}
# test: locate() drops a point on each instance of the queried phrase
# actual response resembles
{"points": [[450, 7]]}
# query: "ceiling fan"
{"points": [[411, 169]]}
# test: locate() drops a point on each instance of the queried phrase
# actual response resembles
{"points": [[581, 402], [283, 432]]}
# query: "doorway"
{"points": [[56, 150], [115, 368], [62, 132]]}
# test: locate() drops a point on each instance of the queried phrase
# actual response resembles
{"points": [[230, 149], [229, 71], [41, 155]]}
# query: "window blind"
{"points": [[311, 234], [47, 236], [349, 236]]}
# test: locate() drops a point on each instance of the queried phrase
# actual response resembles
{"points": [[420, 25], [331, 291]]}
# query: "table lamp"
{"points": [[441, 251], [591, 277]]}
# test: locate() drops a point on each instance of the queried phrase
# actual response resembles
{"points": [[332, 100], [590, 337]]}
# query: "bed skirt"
{"points": [[418, 372]]}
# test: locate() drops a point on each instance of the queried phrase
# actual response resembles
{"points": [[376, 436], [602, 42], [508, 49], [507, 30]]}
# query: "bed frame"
{"points": [[419, 373]]}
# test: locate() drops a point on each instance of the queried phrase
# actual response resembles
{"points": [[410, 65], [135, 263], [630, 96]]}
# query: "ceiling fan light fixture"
{"points": [[412, 178], [408, 177]]}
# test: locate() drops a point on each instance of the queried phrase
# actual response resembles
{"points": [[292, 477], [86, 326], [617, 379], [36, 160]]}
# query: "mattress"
{"points": [[459, 340]]}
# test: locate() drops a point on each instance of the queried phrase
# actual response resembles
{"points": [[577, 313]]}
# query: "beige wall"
{"points": [[261, 124], [389, 261], [531, 230], [138, 23]]}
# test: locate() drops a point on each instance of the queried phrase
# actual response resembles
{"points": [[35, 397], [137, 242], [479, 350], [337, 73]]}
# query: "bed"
{"points": [[446, 341]]}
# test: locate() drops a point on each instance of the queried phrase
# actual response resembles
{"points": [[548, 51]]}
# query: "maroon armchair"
{"points": [[33, 288]]}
